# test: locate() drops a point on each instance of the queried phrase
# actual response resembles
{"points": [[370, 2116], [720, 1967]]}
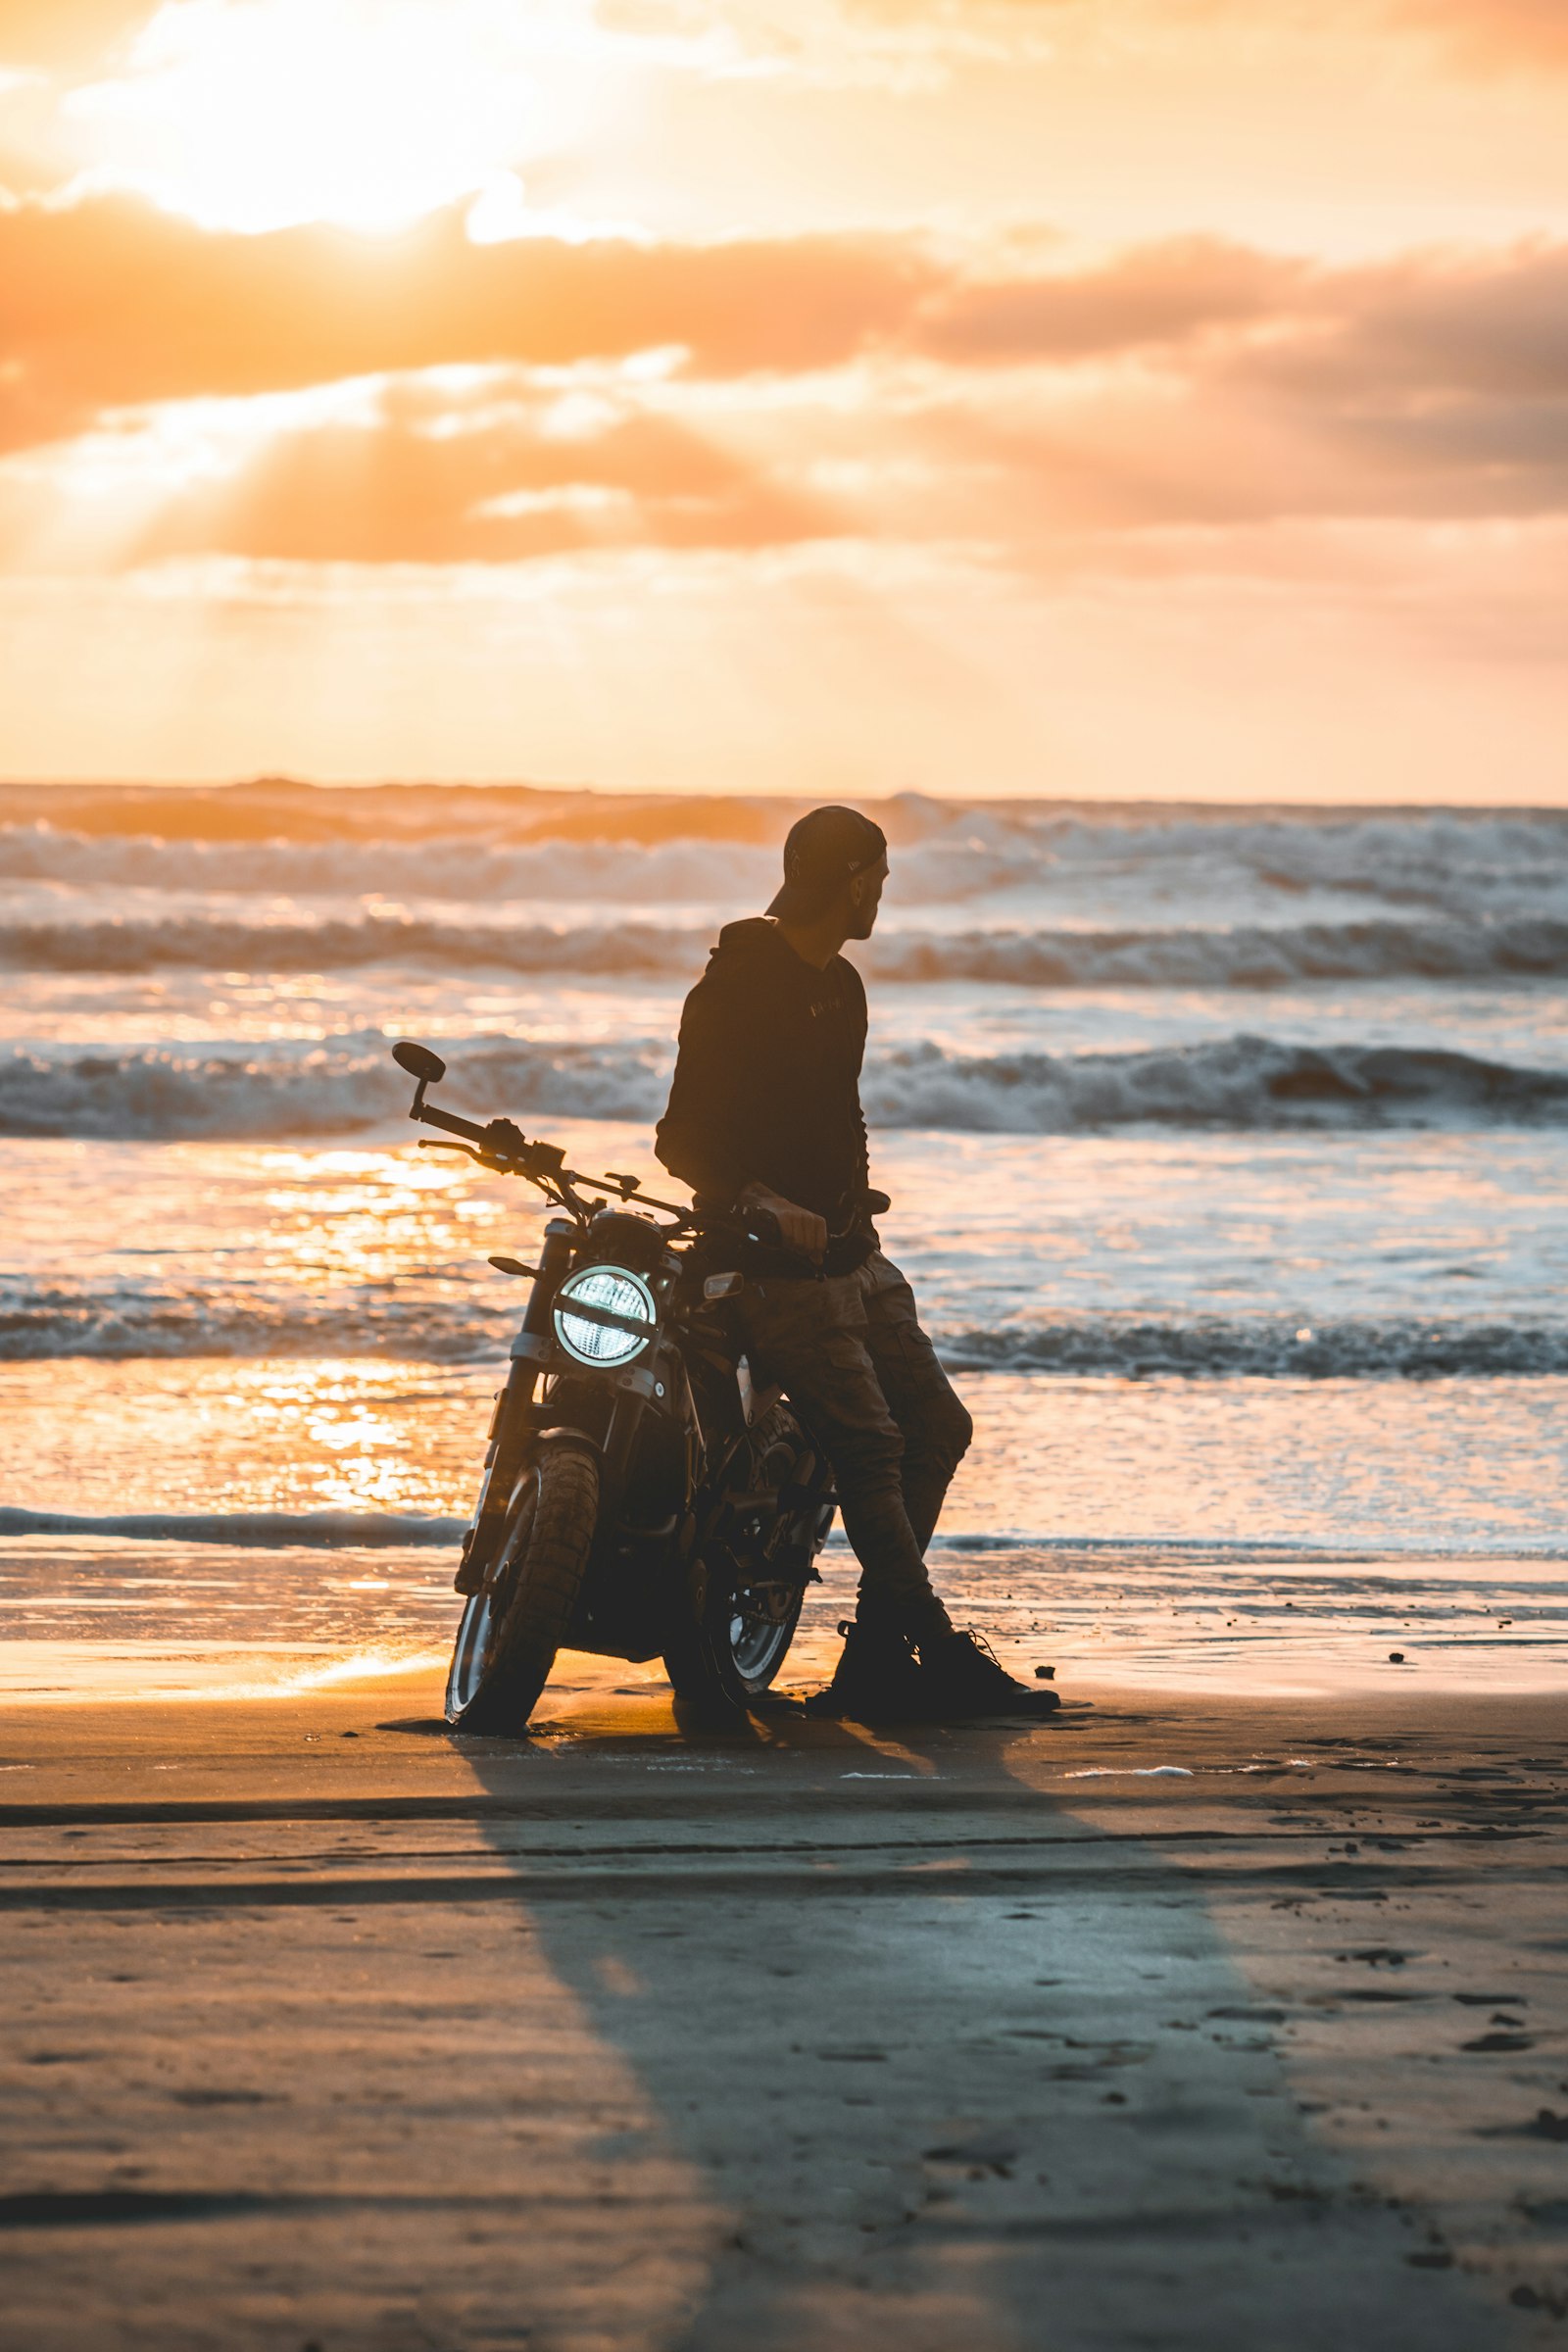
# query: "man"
{"points": [[764, 1116]]}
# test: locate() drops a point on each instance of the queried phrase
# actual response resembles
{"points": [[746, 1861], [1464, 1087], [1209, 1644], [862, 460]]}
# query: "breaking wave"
{"points": [[122, 1323], [662, 873], [1235, 1082], [1214, 1348], [350, 1084], [1249, 956], [272, 1531], [498, 846], [129, 946]]}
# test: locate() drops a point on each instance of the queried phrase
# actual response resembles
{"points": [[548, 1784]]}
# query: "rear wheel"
{"points": [[738, 1631], [510, 1632], [737, 1643]]}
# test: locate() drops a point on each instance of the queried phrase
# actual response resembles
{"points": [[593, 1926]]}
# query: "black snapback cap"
{"points": [[824, 851]]}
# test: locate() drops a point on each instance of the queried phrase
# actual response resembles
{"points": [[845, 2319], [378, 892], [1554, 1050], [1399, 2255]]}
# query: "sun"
{"points": [[256, 115]]}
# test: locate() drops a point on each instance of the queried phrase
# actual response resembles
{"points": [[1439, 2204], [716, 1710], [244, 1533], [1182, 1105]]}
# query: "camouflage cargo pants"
{"points": [[851, 1357]]}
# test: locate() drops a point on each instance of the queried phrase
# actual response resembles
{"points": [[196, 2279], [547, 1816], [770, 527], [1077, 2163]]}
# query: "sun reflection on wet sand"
{"points": [[90, 1617], [150, 1671]]}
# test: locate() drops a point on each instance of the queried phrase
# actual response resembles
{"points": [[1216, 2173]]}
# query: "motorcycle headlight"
{"points": [[610, 1291]]}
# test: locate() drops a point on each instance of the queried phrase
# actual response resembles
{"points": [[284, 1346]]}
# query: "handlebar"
{"points": [[544, 1165], [448, 1120]]}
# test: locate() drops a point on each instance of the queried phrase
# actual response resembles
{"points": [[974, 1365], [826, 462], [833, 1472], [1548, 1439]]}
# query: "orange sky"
{"points": [[1131, 397]]}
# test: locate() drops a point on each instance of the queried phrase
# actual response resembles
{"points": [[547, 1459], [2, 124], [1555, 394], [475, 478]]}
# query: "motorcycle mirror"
{"points": [[418, 1061], [723, 1286]]}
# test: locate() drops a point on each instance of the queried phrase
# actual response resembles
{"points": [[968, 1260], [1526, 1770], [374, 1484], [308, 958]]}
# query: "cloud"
{"points": [[1499, 35], [106, 304], [62, 35], [497, 482], [821, 388], [1493, 32], [1161, 295], [1431, 325]]}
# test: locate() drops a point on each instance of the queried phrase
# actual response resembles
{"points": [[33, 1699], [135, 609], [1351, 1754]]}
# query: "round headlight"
{"points": [[614, 1291]]}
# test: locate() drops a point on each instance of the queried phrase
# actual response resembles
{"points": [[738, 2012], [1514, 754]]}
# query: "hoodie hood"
{"points": [[757, 945], [754, 936]]}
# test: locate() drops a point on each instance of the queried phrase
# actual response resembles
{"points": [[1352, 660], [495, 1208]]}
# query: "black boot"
{"points": [[877, 1678], [964, 1680]]}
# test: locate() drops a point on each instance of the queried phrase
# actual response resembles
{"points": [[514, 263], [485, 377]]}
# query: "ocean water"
{"points": [[1226, 1150]]}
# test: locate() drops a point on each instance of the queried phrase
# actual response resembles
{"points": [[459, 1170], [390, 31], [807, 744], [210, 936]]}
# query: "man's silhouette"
{"points": [[764, 1114]]}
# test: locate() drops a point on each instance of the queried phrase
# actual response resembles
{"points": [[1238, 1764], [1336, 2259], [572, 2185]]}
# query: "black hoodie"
{"points": [[766, 1084]]}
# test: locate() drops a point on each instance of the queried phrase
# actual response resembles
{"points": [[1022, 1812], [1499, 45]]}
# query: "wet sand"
{"points": [[1176, 2022]]}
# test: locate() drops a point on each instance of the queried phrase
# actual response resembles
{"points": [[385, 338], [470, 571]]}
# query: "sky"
{"points": [[1137, 399]]}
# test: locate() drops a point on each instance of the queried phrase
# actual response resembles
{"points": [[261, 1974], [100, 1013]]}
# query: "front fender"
{"points": [[565, 1435]]}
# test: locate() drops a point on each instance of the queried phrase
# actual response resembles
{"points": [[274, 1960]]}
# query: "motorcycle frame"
{"points": [[618, 1611], [521, 1419]]}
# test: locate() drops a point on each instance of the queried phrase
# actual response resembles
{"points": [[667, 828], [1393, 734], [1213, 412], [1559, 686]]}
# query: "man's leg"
{"points": [[933, 1424], [814, 1338], [817, 1339], [962, 1677]]}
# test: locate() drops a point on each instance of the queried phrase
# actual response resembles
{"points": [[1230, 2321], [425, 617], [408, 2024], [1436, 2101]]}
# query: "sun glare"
{"points": [[256, 115]]}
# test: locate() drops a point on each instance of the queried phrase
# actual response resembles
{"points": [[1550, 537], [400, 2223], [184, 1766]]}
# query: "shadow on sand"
{"points": [[945, 2066]]}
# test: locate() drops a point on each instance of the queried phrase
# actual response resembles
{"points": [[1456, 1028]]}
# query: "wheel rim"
{"points": [[474, 1630], [483, 1611], [757, 1644]]}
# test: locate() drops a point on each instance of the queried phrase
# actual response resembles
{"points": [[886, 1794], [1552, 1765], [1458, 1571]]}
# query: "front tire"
{"points": [[510, 1629]]}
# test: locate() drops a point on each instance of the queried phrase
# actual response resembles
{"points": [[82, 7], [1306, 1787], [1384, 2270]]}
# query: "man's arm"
{"points": [[698, 1136]]}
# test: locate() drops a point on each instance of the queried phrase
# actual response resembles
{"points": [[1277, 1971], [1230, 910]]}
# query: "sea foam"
{"points": [[348, 1084]]}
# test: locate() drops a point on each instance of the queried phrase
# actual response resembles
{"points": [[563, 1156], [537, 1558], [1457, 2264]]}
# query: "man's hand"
{"points": [[798, 1228]]}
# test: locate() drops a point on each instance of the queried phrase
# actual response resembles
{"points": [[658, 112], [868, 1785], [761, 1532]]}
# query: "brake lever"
{"points": [[482, 1159]]}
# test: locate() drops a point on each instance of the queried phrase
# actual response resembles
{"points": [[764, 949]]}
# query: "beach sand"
{"points": [[1173, 2021]]}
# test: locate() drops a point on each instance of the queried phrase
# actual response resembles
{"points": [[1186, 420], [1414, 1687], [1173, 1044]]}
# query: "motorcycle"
{"points": [[644, 1493]]}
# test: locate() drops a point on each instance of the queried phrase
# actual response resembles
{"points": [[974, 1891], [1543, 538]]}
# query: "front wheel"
{"points": [[510, 1629]]}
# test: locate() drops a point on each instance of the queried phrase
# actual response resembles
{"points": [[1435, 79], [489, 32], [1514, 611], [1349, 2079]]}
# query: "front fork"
{"points": [[510, 1423]]}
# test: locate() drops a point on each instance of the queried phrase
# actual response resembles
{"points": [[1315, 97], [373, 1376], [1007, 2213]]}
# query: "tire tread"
{"points": [[556, 1548]]}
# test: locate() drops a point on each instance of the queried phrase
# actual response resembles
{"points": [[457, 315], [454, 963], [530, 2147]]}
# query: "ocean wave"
{"points": [[273, 1530], [1214, 1348], [347, 1085], [122, 1322], [128, 945], [1242, 1083], [342, 1087], [1250, 956], [662, 873], [1247, 957], [1458, 860], [445, 1326], [607, 849]]}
